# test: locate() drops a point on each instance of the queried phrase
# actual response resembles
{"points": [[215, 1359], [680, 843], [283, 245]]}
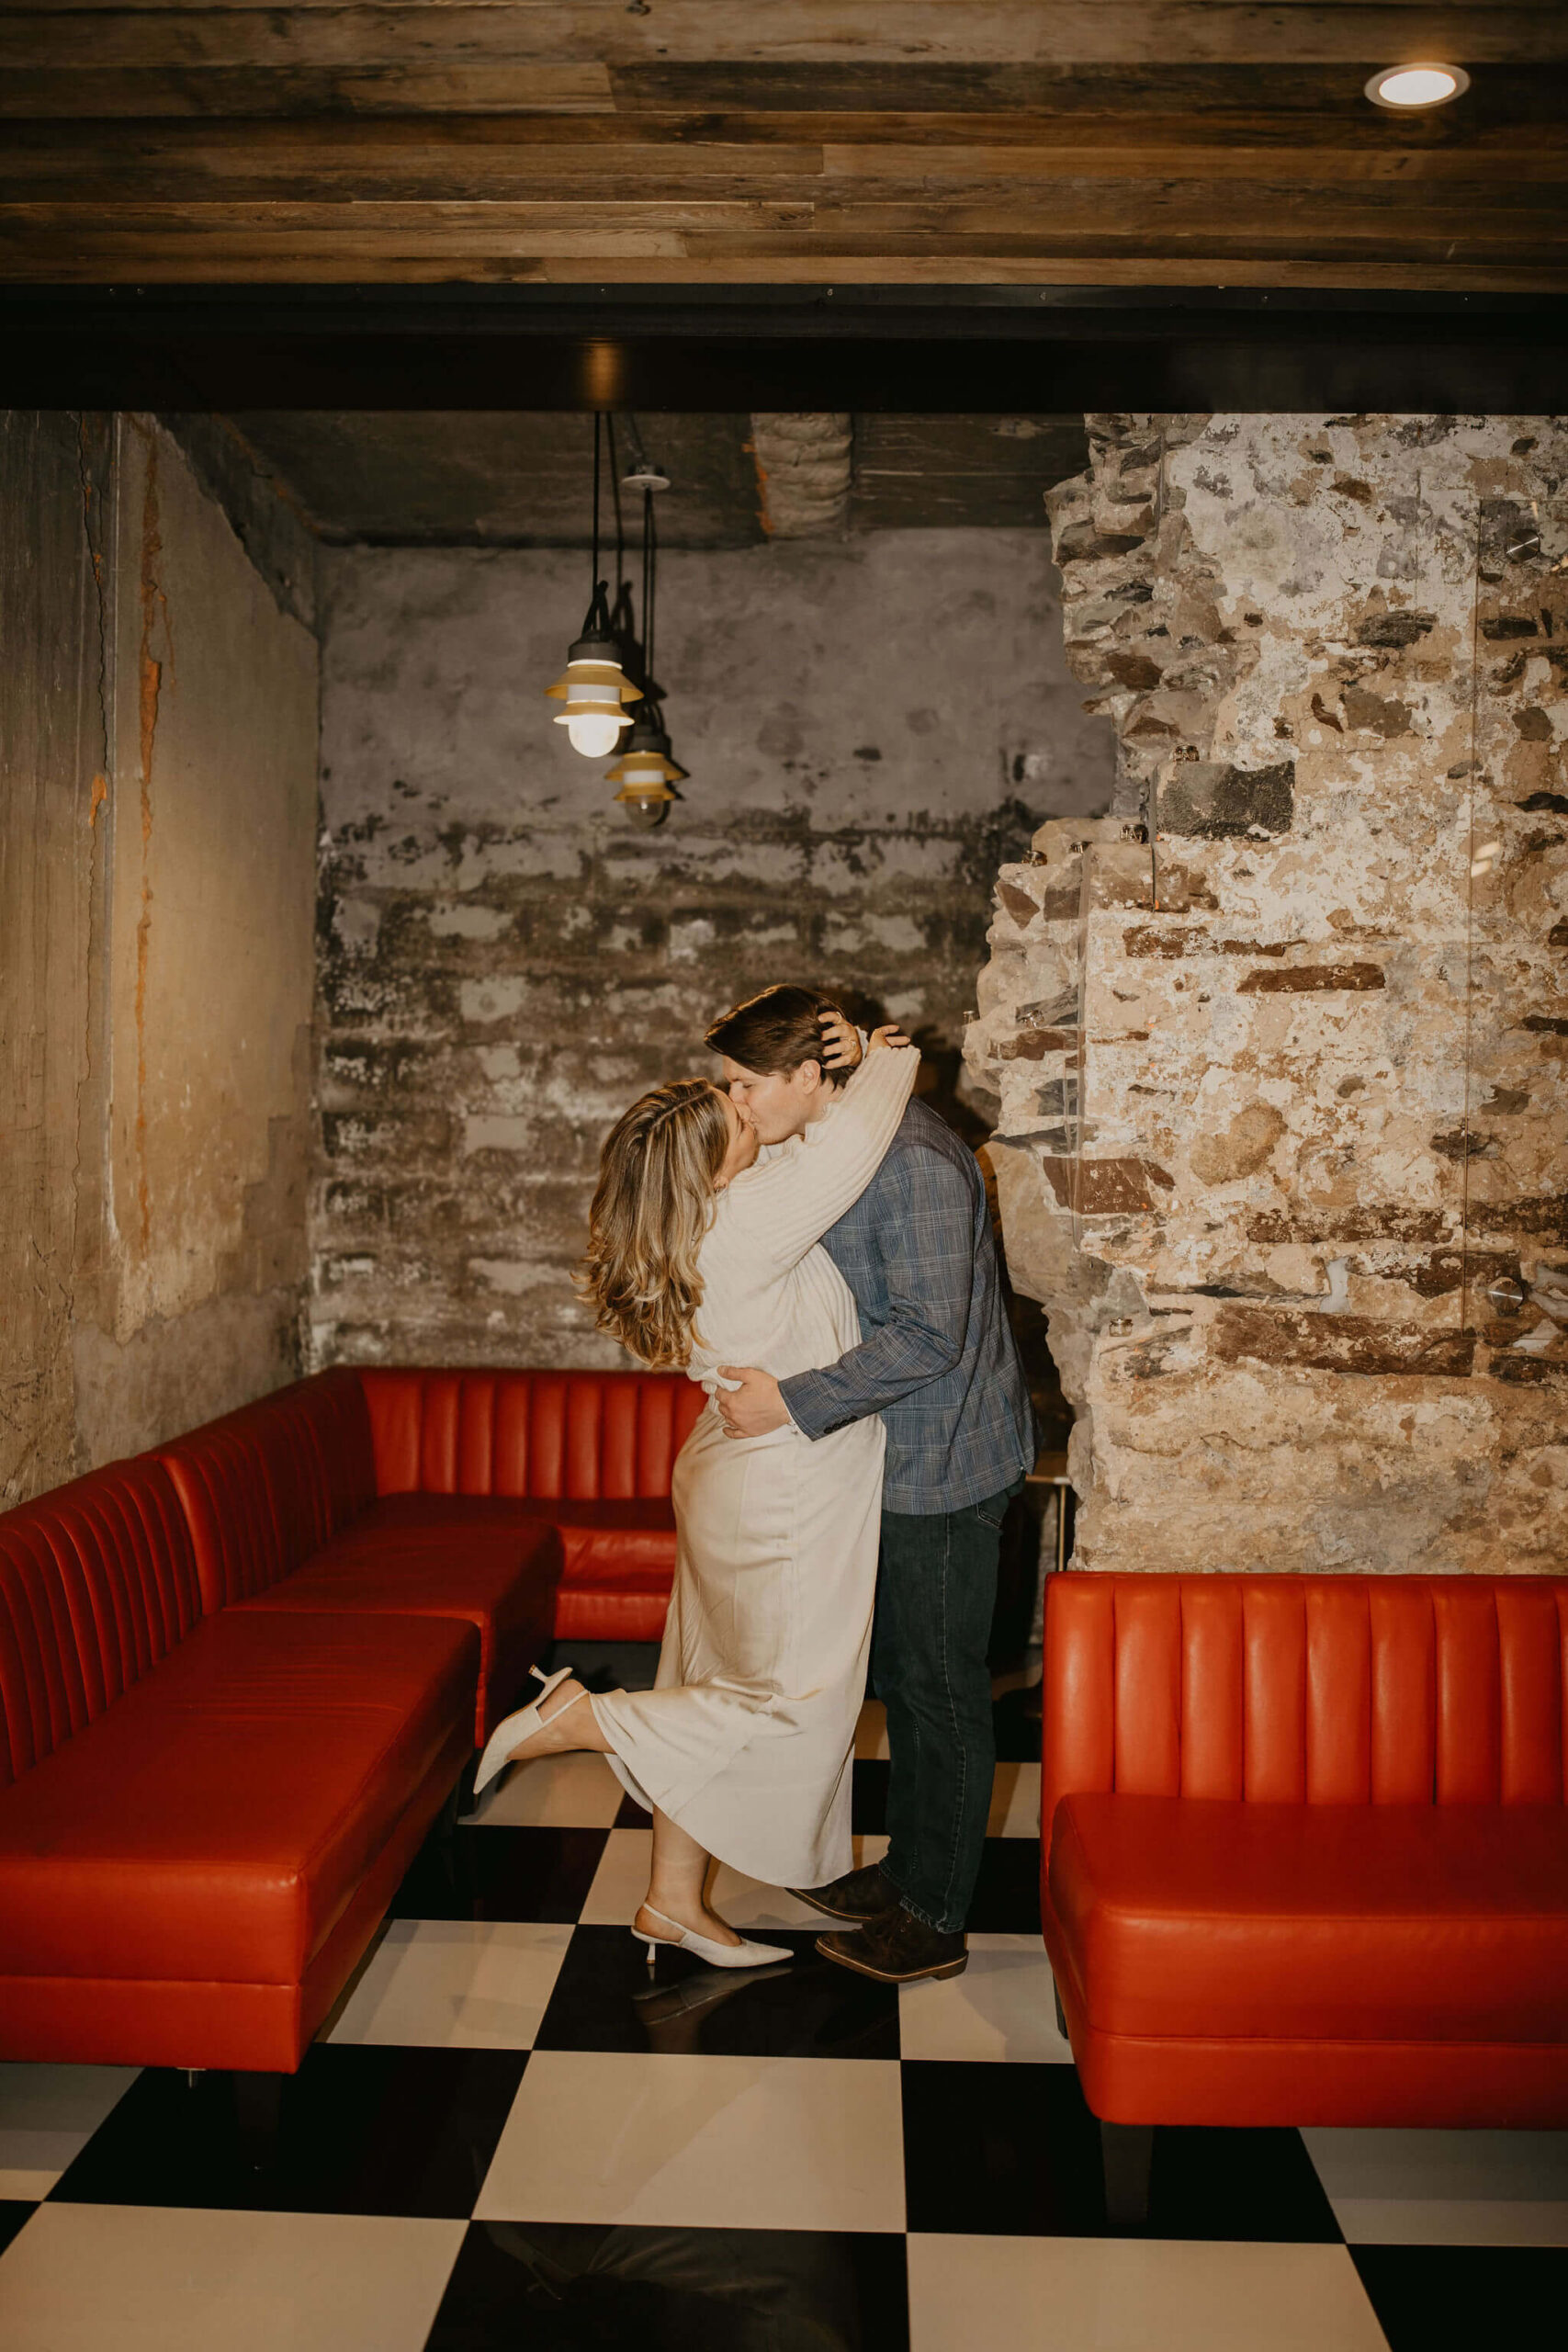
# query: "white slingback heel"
{"points": [[521, 1725], [745, 1954]]}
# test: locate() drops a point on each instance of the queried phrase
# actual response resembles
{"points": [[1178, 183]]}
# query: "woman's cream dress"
{"points": [[746, 1738]]}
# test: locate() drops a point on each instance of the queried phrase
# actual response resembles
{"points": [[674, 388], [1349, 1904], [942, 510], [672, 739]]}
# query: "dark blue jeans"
{"points": [[936, 1592]]}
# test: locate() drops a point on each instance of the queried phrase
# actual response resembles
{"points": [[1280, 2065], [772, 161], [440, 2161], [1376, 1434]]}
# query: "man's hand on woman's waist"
{"points": [[754, 1405]]}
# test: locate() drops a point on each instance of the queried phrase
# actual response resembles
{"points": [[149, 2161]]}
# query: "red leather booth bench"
{"points": [[1305, 1850], [241, 1676]]}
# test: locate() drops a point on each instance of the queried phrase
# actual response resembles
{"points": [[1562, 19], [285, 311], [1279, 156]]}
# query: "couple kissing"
{"points": [[813, 1246]]}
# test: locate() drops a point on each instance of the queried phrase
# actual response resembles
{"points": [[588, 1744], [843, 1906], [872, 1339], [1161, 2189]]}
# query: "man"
{"points": [[938, 1362]]}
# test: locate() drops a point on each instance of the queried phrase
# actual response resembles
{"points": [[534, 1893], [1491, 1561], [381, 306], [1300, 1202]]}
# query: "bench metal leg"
{"points": [[258, 2113], [1126, 2151], [445, 1826], [458, 1801]]}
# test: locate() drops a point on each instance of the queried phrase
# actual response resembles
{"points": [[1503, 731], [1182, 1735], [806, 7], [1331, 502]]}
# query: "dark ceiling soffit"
{"points": [[926, 351]]}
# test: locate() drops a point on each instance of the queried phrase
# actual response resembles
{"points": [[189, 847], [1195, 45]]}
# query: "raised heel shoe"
{"points": [[521, 1725], [745, 1954]]}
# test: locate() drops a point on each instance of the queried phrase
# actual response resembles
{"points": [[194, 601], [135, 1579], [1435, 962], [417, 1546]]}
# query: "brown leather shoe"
{"points": [[858, 1895], [898, 1949]]}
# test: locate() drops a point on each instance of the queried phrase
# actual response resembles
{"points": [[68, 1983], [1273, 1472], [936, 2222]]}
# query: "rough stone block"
{"points": [[1105, 1187], [1346, 1344], [1216, 800], [1311, 979]]}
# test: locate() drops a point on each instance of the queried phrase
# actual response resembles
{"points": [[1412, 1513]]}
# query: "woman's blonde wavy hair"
{"points": [[651, 1208]]}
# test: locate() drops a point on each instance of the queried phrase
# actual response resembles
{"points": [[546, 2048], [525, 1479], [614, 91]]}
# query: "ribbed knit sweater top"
{"points": [[771, 1296]]}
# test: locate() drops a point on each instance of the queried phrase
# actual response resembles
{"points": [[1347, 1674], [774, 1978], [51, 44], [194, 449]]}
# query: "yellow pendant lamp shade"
{"points": [[645, 771], [593, 685]]}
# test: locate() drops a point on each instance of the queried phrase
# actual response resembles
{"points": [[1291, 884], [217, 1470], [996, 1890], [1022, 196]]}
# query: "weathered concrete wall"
{"points": [[1282, 1119], [506, 962], [156, 898], [53, 758]]}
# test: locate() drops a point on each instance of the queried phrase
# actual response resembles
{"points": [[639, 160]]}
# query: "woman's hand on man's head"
{"points": [[840, 1041]]}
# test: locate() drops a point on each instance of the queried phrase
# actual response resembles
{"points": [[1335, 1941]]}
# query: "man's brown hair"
{"points": [[774, 1032]]}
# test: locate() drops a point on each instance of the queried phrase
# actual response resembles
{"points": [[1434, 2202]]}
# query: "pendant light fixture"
{"points": [[593, 685], [645, 771]]}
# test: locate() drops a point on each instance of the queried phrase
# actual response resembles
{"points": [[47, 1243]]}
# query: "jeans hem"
{"points": [[937, 1927]]}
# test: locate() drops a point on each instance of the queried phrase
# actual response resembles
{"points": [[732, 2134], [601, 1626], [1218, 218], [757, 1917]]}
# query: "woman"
{"points": [[700, 1256]]}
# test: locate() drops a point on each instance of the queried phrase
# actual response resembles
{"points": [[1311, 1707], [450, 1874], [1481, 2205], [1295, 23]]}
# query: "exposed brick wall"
{"points": [[1283, 1127], [871, 728]]}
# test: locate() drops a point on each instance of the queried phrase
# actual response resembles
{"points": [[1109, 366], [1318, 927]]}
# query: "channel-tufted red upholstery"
{"points": [[591, 1451], [265, 1487], [1321, 1691], [281, 1502], [334, 1461], [583, 1436], [97, 1583], [501, 1579], [204, 1818], [1305, 1850], [239, 1676], [536, 1504]]}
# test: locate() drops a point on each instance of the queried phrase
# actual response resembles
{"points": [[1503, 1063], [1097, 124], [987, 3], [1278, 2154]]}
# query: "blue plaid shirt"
{"points": [[937, 1359]]}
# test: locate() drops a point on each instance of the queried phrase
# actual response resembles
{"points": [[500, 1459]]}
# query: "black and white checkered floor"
{"points": [[508, 2136]]}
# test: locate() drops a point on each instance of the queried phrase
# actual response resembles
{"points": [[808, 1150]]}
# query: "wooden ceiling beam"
{"points": [[334, 260], [158, 93], [1267, 211], [234, 172], [810, 34], [73, 242], [95, 186], [326, 265], [1383, 140], [87, 88]]}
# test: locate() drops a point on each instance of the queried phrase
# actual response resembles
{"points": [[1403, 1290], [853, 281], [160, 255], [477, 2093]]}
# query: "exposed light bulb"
{"points": [[645, 771], [1408, 87], [593, 733], [1424, 85], [594, 687]]}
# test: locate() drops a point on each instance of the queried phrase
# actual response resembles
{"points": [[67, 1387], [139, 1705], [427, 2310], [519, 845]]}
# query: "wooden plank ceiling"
{"points": [[806, 142]]}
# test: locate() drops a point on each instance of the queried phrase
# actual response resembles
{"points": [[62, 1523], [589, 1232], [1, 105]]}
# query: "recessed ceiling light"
{"points": [[1417, 85]]}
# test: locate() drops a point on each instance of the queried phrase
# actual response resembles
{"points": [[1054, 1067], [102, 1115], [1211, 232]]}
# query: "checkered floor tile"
{"points": [[510, 2134]]}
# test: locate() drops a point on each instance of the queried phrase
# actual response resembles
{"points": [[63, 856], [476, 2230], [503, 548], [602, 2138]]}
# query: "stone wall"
{"points": [[869, 725], [158, 723], [1276, 1048]]}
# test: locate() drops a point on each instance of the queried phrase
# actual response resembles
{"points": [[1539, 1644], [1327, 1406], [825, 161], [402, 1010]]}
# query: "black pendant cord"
{"points": [[613, 455], [650, 565], [593, 581]]}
